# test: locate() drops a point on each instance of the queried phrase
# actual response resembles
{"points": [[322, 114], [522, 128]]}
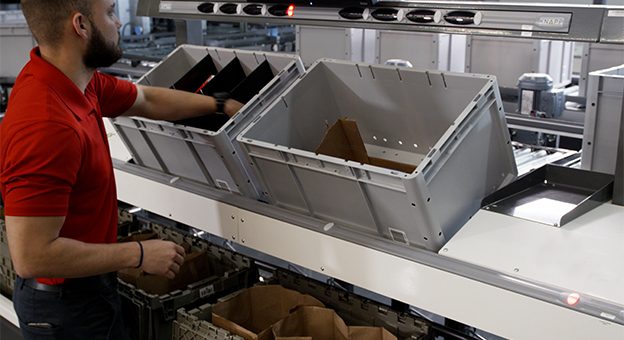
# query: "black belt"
{"points": [[32, 283], [84, 283]]}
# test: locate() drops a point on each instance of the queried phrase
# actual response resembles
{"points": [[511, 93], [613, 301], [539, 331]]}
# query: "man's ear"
{"points": [[80, 25]]}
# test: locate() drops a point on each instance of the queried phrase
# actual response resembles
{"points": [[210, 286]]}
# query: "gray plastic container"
{"points": [[208, 157], [605, 109], [194, 324], [450, 125]]}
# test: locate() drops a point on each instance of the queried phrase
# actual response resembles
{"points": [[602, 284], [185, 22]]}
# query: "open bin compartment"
{"points": [[450, 126], [552, 195], [190, 149]]}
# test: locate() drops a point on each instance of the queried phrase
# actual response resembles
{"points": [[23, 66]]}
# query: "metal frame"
{"points": [[453, 288], [538, 21]]}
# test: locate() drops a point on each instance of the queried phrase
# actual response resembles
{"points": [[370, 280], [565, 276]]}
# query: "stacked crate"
{"points": [[7, 272], [195, 323], [150, 316], [192, 325]]}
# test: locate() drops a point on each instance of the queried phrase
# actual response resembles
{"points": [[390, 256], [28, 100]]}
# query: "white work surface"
{"points": [[7, 312], [499, 311], [584, 256]]}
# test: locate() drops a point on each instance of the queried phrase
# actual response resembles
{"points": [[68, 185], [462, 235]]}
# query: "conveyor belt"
{"points": [[530, 157]]}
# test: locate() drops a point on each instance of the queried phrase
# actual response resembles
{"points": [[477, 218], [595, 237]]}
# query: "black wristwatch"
{"points": [[220, 99]]}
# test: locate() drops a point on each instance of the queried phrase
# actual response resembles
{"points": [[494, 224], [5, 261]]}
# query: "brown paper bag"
{"points": [[317, 323], [251, 313]]}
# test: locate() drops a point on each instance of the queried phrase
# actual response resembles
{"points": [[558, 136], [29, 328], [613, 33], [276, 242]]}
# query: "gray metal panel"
{"points": [[422, 50], [404, 112], [613, 26], [323, 42], [560, 55], [16, 41], [147, 8], [483, 56], [525, 56], [605, 103]]}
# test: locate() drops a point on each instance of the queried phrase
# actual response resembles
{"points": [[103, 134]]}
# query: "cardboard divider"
{"points": [[343, 140]]}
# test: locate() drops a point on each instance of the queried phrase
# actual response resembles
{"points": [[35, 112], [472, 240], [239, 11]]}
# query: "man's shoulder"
{"points": [[34, 101]]}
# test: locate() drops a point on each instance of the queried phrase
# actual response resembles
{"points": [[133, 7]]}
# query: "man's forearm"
{"points": [[69, 258], [166, 104]]}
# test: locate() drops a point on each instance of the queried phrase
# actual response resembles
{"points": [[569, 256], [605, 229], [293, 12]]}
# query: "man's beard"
{"points": [[99, 52]]}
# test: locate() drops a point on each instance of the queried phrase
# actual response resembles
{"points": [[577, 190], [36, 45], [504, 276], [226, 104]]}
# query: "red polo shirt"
{"points": [[54, 156]]}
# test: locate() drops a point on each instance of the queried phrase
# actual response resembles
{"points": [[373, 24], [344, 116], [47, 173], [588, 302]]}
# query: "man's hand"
{"points": [[162, 258], [231, 107]]}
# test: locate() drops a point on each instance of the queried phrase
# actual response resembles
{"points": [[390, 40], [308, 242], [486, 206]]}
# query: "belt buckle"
{"points": [[36, 285]]}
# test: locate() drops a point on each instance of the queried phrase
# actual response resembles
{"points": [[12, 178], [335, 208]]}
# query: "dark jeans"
{"points": [[87, 308]]}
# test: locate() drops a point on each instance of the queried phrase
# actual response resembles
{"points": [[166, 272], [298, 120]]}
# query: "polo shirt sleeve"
{"points": [[115, 95], [42, 162]]}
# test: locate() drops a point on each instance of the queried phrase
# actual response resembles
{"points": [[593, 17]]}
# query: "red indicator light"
{"points": [[573, 299], [291, 10]]}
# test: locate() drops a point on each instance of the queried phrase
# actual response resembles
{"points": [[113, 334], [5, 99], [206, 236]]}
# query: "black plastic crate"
{"points": [[150, 316]]}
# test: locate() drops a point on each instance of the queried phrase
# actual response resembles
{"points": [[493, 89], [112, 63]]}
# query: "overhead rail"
{"points": [[583, 23]]}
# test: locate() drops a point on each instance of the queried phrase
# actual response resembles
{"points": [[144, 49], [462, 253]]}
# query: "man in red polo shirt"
{"points": [[57, 178]]}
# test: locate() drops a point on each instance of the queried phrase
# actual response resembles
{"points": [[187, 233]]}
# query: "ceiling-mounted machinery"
{"points": [[539, 21]]}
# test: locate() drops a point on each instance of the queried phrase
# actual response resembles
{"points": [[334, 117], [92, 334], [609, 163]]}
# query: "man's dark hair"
{"points": [[46, 18]]}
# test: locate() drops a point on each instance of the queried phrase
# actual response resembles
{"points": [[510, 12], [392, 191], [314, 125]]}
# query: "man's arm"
{"points": [[166, 104], [38, 251]]}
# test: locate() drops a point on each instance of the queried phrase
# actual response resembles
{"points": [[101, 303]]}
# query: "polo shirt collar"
{"points": [[73, 98]]}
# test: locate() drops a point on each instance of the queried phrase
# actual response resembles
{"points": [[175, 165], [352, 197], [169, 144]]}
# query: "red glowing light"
{"points": [[291, 10], [573, 299]]}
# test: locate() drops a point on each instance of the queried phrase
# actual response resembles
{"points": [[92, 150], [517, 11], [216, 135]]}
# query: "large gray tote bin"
{"points": [[208, 157], [605, 109], [451, 126]]}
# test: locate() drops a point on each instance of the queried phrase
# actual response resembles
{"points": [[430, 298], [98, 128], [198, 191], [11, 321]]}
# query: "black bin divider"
{"points": [[227, 79], [256, 80], [211, 122], [197, 75], [224, 81]]}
